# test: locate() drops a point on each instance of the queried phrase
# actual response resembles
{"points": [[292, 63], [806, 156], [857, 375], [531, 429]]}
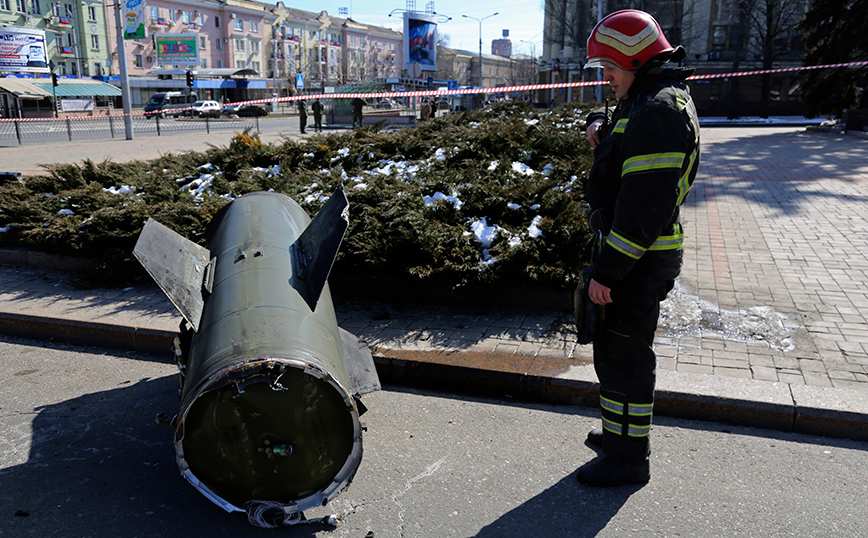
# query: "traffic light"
{"points": [[190, 79], [54, 79]]}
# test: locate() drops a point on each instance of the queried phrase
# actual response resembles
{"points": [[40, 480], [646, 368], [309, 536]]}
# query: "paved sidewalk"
{"points": [[767, 325]]}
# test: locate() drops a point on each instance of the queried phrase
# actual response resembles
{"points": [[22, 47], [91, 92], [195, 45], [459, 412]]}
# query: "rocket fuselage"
{"points": [[266, 410]]}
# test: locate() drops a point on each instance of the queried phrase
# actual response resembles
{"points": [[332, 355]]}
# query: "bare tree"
{"points": [[771, 24]]}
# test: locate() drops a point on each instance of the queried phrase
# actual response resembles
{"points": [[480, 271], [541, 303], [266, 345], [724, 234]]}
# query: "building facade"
{"points": [[719, 36]]}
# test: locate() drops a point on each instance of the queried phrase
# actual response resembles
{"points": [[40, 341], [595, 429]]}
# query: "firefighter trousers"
{"points": [[625, 362]]}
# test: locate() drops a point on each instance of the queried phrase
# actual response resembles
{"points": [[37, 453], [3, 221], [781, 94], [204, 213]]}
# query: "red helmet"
{"points": [[627, 39]]}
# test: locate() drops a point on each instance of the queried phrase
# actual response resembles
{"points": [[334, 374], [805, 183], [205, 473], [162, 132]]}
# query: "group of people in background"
{"points": [[427, 111], [317, 109]]}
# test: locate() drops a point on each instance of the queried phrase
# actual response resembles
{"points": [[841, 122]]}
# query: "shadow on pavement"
{"points": [[782, 170], [568, 508], [100, 465]]}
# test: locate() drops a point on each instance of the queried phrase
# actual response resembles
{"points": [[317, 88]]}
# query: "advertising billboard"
{"points": [[177, 49], [22, 50], [134, 19], [420, 40]]}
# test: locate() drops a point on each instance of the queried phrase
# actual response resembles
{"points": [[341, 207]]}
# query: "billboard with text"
{"points": [[177, 49], [22, 50]]}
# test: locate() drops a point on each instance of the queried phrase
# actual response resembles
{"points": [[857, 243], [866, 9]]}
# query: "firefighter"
{"points": [[646, 153]]}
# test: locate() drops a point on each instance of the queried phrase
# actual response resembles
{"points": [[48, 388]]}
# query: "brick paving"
{"points": [[777, 219]]}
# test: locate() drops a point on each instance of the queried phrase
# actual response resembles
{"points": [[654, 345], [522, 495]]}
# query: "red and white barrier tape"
{"points": [[465, 91]]}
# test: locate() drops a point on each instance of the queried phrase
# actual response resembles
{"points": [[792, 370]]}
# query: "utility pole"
{"points": [[125, 79]]}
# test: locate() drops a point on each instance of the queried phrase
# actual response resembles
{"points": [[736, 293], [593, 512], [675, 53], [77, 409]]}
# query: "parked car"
{"points": [[441, 105], [383, 103], [205, 109], [247, 109]]}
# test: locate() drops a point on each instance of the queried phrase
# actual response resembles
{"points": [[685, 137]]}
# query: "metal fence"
{"points": [[108, 127]]}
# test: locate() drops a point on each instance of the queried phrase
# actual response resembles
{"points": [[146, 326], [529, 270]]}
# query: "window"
{"points": [[21, 6], [155, 12], [719, 38], [254, 27], [73, 69], [91, 13], [68, 40], [37, 7], [201, 19], [219, 64], [219, 44], [94, 42], [254, 47], [202, 41], [204, 63], [68, 10], [239, 44], [137, 60], [239, 25], [4, 5], [55, 8], [254, 66], [61, 67], [185, 17]]}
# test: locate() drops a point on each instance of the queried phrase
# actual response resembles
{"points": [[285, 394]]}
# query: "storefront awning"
{"points": [[23, 89], [80, 89]]}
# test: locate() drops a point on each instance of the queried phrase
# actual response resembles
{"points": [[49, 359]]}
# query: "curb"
{"points": [[824, 411]]}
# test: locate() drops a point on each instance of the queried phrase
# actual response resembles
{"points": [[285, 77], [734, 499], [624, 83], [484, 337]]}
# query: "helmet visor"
{"points": [[601, 62]]}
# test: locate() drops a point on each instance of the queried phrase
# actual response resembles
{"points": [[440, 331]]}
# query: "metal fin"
{"points": [[314, 252], [360, 364], [177, 265]]}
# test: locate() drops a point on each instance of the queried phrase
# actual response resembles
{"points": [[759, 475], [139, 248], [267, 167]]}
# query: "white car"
{"points": [[206, 109]]}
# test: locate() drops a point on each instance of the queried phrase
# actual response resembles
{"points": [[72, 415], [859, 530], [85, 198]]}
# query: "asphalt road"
{"points": [[81, 455]]}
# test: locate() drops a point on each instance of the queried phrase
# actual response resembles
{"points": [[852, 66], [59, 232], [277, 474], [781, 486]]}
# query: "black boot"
{"points": [[608, 472]]}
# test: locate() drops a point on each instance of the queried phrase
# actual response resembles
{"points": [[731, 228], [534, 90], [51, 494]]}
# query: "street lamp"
{"points": [[480, 40]]}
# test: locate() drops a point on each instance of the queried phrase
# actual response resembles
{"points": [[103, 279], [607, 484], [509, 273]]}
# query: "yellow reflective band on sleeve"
{"points": [[664, 242], [684, 182], [640, 410], [682, 102], [638, 431], [670, 242], [620, 126], [653, 161], [625, 246]]}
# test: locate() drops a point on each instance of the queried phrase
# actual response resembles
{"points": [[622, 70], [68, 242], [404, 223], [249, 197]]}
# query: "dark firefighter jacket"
{"points": [[643, 169]]}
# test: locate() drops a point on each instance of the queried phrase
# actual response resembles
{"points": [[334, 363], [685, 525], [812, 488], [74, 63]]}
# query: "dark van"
{"points": [[164, 104]]}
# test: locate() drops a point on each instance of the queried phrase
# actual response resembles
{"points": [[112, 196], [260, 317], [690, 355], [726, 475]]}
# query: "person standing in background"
{"points": [[302, 115]]}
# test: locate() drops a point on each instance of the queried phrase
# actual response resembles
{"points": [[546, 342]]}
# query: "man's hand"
{"points": [[593, 132], [599, 293]]}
